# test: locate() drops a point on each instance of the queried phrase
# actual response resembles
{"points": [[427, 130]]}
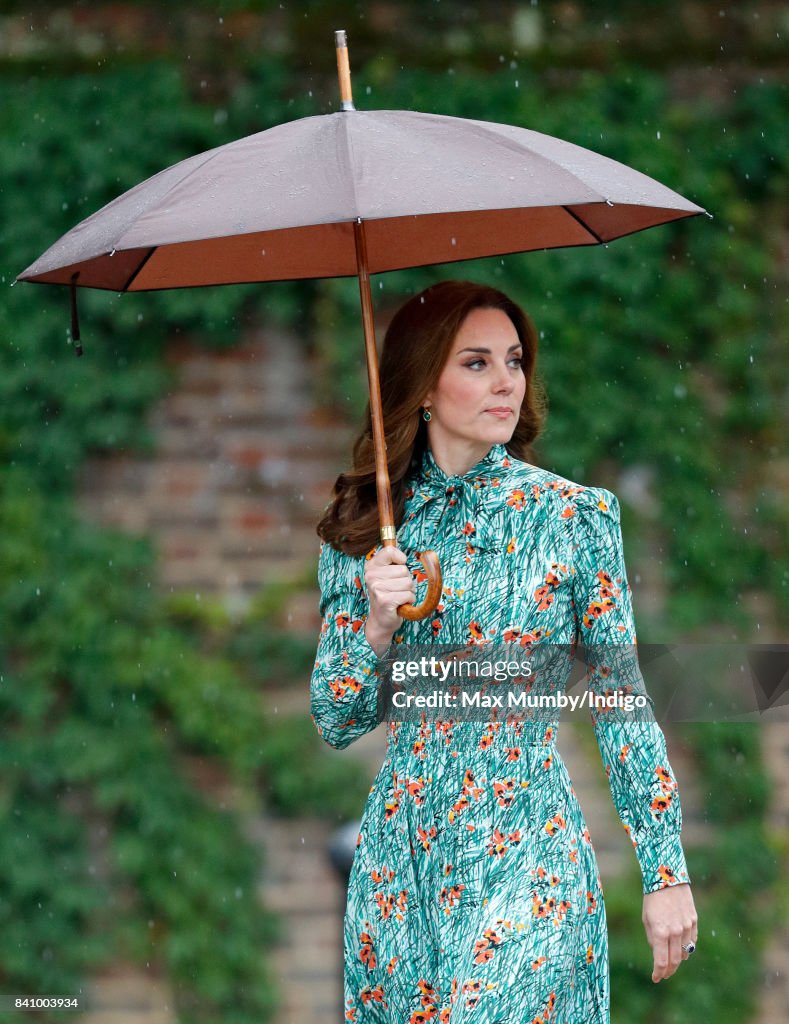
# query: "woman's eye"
{"points": [[481, 362]]}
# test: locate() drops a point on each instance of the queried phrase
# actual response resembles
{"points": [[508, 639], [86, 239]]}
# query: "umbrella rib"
{"points": [[139, 267], [583, 224], [348, 164]]}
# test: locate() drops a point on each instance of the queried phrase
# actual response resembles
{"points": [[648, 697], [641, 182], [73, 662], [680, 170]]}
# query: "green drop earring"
{"points": [[426, 415]]}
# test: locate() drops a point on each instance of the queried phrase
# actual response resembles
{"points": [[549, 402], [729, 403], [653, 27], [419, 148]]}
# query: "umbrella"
{"points": [[355, 193]]}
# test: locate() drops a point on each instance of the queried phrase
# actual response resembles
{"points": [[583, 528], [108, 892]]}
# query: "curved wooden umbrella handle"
{"points": [[430, 563]]}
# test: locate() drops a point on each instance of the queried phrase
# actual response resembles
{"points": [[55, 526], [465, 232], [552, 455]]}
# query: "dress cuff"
{"points": [[662, 861]]}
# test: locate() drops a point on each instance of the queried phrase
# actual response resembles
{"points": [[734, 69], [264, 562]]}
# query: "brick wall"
{"points": [[243, 468]]}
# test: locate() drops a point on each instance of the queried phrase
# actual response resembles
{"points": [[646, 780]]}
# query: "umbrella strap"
{"points": [[75, 314]]}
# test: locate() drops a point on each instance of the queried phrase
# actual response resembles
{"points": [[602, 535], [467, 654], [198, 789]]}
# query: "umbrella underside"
{"points": [[328, 250]]}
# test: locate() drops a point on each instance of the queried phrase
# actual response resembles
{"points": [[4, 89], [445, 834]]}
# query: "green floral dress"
{"points": [[475, 895]]}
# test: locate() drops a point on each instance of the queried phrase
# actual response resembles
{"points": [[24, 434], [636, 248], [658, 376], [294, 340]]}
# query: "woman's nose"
{"points": [[504, 382]]}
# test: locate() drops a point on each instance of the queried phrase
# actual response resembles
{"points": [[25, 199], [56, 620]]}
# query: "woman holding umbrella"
{"points": [[475, 893]]}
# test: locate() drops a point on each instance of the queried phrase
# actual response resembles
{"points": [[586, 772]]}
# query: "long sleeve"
{"points": [[344, 684], [632, 744]]}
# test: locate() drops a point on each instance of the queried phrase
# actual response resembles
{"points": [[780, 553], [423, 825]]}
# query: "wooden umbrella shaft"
{"points": [[383, 487], [382, 483]]}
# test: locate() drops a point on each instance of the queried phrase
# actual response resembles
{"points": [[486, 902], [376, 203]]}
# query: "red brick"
{"points": [[255, 520]]}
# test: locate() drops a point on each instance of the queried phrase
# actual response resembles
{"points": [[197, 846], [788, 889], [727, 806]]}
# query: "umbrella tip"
{"points": [[343, 69]]}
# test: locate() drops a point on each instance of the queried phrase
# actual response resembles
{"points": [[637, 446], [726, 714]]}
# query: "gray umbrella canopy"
{"points": [[281, 204]]}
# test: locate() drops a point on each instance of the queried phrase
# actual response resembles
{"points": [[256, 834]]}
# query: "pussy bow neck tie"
{"points": [[463, 506]]}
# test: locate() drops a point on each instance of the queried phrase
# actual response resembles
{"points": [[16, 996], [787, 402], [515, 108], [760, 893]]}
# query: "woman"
{"points": [[474, 893]]}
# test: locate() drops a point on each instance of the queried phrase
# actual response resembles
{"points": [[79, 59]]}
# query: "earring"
{"points": [[426, 415]]}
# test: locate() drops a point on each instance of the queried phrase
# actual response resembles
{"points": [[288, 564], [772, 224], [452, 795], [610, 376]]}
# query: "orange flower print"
{"points": [[366, 950], [498, 843]]}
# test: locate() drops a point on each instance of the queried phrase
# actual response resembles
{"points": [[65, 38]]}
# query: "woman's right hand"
{"points": [[389, 584]]}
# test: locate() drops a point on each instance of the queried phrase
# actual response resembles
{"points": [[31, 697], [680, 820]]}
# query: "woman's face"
{"points": [[480, 391]]}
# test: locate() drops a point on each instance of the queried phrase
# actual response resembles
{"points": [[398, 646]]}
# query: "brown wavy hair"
{"points": [[416, 347]]}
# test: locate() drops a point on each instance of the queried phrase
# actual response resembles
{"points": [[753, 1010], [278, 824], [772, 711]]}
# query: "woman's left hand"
{"points": [[670, 920]]}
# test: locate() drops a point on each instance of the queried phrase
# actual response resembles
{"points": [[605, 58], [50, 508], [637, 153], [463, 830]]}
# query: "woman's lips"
{"points": [[501, 413]]}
